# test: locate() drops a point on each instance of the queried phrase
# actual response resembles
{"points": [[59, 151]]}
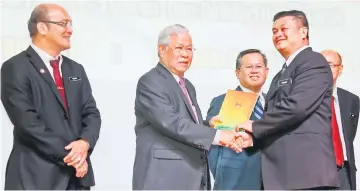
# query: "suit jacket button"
{"points": [[202, 156], [65, 117]]}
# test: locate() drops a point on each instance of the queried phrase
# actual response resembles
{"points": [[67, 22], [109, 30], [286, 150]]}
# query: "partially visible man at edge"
{"points": [[345, 117], [48, 98], [172, 140]]}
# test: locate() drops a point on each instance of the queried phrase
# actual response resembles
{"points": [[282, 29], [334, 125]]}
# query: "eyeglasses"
{"points": [[179, 49], [257, 67], [334, 65], [65, 24]]}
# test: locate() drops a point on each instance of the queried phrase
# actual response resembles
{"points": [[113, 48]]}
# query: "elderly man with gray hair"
{"points": [[172, 140]]}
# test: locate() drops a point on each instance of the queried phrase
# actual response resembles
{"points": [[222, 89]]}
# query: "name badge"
{"points": [[284, 82], [74, 79]]}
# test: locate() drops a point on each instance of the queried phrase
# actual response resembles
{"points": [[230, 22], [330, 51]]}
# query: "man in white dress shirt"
{"points": [[345, 115]]}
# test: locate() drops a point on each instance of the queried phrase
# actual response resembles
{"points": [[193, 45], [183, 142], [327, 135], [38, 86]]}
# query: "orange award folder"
{"points": [[236, 108]]}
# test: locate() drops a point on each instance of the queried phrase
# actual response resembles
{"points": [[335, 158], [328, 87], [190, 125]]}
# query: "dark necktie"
{"points": [[283, 68], [58, 80], [258, 109], [339, 154]]}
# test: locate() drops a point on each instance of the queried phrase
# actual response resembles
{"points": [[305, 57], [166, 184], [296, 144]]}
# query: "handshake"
{"points": [[235, 139]]}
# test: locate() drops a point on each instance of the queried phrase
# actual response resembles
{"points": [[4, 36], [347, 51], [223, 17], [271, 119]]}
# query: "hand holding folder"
{"points": [[235, 109]]}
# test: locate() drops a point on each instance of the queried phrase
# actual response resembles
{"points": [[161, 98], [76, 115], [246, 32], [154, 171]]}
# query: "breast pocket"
{"points": [[167, 154]]}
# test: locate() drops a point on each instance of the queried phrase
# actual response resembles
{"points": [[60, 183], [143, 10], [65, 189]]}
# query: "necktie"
{"points": [[258, 109], [58, 80], [339, 154], [283, 68], [183, 88]]}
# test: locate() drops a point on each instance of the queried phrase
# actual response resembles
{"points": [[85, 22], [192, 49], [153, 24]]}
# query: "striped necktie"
{"points": [[258, 109]]}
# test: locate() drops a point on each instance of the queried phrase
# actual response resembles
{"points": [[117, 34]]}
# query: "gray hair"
{"points": [[167, 32]]}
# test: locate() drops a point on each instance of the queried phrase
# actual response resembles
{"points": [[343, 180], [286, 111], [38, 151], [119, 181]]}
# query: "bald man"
{"points": [[344, 123], [48, 99]]}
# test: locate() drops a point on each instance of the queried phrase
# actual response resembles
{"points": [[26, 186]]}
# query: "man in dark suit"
{"points": [[172, 139], [240, 171], [298, 152], [344, 122], [48, 99]]}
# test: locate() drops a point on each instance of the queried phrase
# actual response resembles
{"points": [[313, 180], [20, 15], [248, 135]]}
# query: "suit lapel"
{"points": [[173, 84], [345, 107], [193, 99], [274, 84], [273, 87], [66, 74], [44, 72]]}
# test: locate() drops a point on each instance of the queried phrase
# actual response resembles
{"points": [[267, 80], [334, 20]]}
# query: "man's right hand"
{"points": [[230, 139], [82, 170]]}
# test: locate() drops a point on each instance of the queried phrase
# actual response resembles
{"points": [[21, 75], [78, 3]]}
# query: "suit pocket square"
{"points": [[74, 79]]}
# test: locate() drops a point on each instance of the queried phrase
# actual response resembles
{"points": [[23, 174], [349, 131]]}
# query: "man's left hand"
{"points": [[78, 154], [247, 126]]}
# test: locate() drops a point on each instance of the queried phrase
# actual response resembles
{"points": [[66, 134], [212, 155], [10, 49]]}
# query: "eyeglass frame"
{"points": [[334, 65], [179, 49], [65, 24]]}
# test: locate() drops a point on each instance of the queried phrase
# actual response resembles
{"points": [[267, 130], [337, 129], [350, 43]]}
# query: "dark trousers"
{"points": [[74, 185], [344, 174]]}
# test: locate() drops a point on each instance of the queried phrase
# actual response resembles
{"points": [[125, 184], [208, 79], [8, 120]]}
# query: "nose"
{"points": [[278, 34], [184, 53], [69, 30]]}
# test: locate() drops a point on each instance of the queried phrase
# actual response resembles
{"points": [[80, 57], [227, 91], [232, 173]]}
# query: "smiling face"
{"points": [[57, 29], [252, 72], [177, 55], [288, 35]]}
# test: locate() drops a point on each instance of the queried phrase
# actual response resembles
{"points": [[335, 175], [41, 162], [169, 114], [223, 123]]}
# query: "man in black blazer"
{"points": [[346, 116], [295, 128], [48, 99]]}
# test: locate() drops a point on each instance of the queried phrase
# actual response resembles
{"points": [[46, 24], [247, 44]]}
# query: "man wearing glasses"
{"points": [[345, 116], [241, 171], [48, 99], [172, 140]]}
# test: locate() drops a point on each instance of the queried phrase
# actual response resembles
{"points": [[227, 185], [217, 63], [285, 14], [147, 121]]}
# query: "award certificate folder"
{"points": [[236, 108]]}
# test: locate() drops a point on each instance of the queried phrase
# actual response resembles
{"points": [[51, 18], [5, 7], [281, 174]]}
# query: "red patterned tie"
{"points": [[183, 88], [58, 80], [339, 154]]}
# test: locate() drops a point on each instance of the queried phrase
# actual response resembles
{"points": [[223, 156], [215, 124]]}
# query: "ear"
{"points": [[266, 72], [161, 50], [237, 71], [42, 28], [304, 32], [340, 69]]}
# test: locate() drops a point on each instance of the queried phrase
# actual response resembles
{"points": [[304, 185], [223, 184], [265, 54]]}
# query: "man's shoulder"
{"points": [[17, 60], [151, 77], [218, 99], [347, 93], [72, 62]]}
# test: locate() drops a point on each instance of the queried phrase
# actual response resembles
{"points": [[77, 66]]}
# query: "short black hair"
{"points": [[298, 15], [249, 51], [39, 14]]}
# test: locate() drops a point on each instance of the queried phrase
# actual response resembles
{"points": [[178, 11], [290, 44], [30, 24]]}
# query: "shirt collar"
{"points": [[177, 78], [291, 58], [44, 55], [260, 94], [335, 94]]}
